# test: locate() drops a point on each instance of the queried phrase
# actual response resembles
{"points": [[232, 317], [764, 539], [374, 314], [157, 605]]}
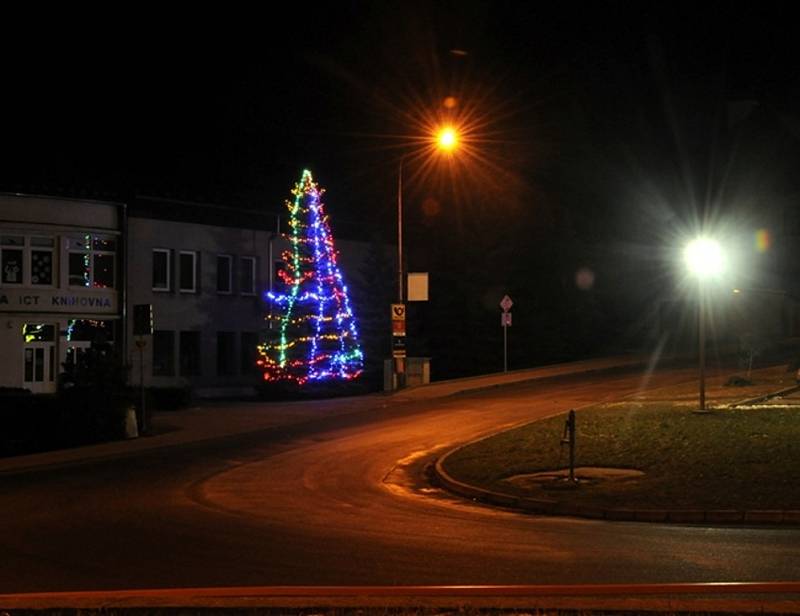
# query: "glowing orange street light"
{"points": [[447, 139]]}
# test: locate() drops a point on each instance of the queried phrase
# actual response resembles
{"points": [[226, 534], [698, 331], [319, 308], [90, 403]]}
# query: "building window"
{"points": [[224, 267], [42, 259], [248, 352], [226, 358], [161, 270], [12, 255], [163, 353], [189, 351], [92, 261], [188, 271], [247, 275], [27, 260]]}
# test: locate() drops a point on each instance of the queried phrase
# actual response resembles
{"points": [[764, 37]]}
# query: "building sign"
{"points": [[57, 300]]}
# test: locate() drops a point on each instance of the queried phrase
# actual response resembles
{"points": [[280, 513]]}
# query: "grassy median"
{"points": [[732, 458]]}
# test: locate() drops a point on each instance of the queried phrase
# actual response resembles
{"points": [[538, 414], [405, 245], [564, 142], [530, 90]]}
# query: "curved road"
{"points": [[344, 501]]}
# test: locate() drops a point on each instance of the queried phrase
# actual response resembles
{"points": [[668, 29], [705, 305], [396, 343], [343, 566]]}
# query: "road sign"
{"points": [[398, 312], [505, 319], [506, 303], [398, 328], [399, 347]]}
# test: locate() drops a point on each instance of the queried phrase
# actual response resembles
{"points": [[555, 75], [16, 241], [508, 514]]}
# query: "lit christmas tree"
{"points": [[316, 337]]}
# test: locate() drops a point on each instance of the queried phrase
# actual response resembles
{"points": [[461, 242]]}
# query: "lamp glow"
{"points": [[703, 257], [447, 139]]}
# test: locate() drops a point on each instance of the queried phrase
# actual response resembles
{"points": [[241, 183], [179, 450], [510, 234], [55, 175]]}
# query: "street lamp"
{"points": [[704, 259], [445, 140]]}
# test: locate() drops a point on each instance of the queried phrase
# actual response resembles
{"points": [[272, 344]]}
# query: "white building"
{"points": [[73, 270], [61, 286]]}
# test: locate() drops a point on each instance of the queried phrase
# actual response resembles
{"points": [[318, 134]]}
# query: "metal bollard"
{"points": [[569, 439]]}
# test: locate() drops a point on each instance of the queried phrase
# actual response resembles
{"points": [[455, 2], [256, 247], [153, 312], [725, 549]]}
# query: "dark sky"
{"points": [[230, 105]]}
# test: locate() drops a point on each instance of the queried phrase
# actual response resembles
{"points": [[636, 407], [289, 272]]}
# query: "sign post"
{"points": [[399, 339], [505, 321]]}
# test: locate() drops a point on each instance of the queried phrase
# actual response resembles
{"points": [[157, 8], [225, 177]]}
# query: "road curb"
{"points": [[716, 517], [764, 397]]}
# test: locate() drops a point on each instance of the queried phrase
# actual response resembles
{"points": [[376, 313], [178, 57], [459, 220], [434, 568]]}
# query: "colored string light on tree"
{"points": [[317, 338]]}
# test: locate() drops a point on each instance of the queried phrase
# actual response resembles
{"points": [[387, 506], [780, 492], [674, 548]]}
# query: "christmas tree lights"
{"points": [[317, 337]]}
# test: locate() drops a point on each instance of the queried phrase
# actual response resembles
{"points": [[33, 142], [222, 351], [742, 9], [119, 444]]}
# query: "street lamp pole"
{"points": [[704, 259], [446, 140], [399, 362], [400, 232]]}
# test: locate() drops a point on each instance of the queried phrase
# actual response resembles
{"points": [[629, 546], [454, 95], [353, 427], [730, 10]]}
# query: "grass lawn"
{"points": [[732, 458]]}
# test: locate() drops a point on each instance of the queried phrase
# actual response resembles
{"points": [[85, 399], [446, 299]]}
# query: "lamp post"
{"points": [[445, 140], [704, 259]]}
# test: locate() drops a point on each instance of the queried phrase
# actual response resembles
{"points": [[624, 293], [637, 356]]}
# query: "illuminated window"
{"points": [[92, 261], [27, 261], [12, 256]]}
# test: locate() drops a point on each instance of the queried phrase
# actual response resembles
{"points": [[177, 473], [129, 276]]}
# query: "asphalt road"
{"points": [[344, 501]]}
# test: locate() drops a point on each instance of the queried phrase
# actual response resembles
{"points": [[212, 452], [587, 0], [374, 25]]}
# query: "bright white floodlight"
{"points": [[704, 257]]}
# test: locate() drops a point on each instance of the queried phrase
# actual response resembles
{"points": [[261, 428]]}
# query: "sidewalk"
{"points": [[219, 419]]}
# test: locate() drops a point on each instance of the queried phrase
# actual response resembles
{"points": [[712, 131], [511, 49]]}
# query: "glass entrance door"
{"points": [[39, 358]]}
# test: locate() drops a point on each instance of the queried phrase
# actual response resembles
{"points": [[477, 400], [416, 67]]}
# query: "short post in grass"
{"points": [[569, 439]]}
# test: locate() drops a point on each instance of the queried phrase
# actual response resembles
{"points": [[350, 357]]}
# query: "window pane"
{"points": [[12, 265], [190, 353], [160, 269], [42, 267], [104, 271], [163, 353], [247, 272], [38, 332], [28, 365], [248, 352], [79, 243], [226, 360], [89, 330], [187, 271], [104, 244], [223, 274], [79, 270], [39, 365], [12, 240]]}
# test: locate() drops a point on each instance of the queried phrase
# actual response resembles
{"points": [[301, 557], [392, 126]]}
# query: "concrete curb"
{"points": [[764, 397], [662, 516]]}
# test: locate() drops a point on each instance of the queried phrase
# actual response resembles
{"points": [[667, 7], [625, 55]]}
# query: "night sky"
{"points": [[229, 107], [618, 124]]}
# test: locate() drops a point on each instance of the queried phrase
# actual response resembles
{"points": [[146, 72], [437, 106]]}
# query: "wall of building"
{"points": [[203, 312], [61, 284]]}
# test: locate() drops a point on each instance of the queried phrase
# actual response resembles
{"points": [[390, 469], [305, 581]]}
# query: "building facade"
{"points": [[205, 283], [61, 285], [73, 271]]}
